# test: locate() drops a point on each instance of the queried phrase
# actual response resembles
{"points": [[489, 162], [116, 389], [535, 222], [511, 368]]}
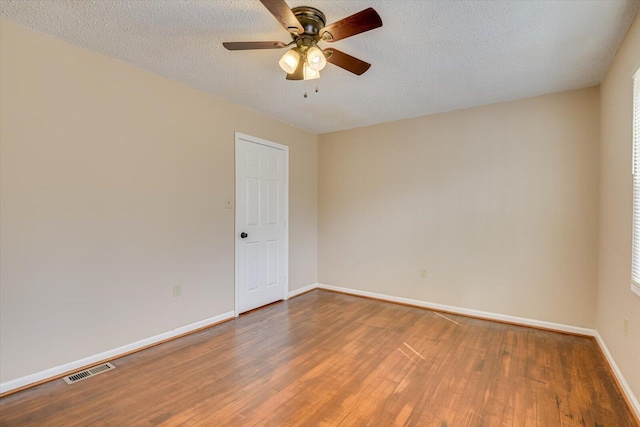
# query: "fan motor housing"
{"points": [[311, 19]]}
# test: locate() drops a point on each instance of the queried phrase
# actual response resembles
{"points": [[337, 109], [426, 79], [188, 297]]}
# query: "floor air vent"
{"points": [[88, 373]]}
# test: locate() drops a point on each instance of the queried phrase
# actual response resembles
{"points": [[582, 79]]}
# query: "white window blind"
{"points": [[635, 262]]}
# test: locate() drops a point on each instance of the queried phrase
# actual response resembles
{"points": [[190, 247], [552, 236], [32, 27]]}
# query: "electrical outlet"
{"points": [[626, 327], [423, 272], [177, 290]]}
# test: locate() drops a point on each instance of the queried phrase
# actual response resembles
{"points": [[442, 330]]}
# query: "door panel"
{"points": [[253, 201], [272, 263], [272, 202], [253, 160], [261, 256], [253, 265]]}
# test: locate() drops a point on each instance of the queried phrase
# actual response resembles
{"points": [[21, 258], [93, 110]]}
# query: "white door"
{"points": [[261, 222]]}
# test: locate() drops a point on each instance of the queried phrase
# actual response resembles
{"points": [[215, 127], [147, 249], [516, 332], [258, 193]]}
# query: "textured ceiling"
{"points": [[429, 57]]}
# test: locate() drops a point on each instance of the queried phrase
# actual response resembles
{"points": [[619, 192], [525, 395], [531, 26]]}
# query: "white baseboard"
{"points": [[109, 354], [618, 373], [302, 290], [466, 311]]}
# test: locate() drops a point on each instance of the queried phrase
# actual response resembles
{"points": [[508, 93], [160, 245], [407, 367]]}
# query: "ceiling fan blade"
{"points": [[345, 61], [253, 45], [284, 15], [298, 74], [360, 22]]}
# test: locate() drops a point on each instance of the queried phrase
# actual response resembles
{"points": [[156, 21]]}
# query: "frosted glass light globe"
{"points": [[316, 59], [289, 61], [310, 73]]}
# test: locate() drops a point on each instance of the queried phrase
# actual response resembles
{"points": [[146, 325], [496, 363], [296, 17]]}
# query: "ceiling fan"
{"points": [[307, 28]]}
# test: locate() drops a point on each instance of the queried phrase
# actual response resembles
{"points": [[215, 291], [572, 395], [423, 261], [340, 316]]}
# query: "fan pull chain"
{"points": [[316, 90]]}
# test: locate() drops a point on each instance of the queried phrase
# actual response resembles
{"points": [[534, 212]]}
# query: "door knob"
{"points": [[244, 235]]}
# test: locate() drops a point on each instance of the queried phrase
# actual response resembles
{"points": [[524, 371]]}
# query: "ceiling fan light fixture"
{"points": [[316, 58], [309, 73], [289, 61], [307, 27]]}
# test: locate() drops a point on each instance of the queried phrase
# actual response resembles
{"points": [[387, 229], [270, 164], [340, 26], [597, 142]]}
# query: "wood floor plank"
{"points": [[329, 359]]}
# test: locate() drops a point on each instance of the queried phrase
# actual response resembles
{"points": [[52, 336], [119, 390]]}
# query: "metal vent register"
{"points": [[88, 373]]}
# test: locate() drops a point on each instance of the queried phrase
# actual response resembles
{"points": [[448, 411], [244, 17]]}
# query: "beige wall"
{"points": [[498, 203], [113, 183], [615, 299]]}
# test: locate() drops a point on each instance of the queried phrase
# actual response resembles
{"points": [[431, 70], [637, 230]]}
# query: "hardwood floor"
{"points": [[325, 359]]}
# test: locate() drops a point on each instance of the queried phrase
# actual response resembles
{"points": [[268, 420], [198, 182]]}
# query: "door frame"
{"points": [[260, 141]]}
